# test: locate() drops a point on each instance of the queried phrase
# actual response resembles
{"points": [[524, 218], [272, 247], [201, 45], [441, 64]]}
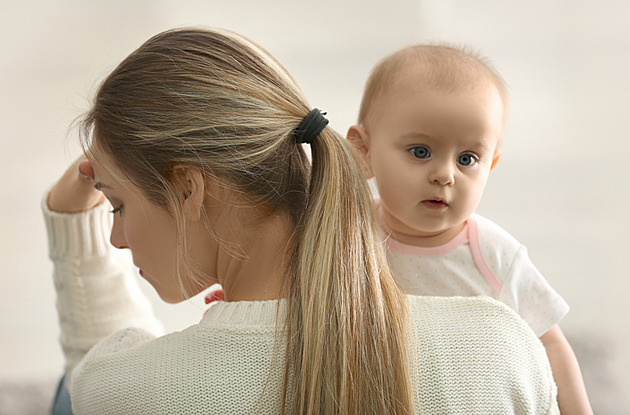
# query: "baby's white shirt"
{"points": [[483, 259]]}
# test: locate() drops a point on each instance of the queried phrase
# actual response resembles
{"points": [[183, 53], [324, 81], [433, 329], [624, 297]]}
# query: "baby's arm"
{"points": [[572, 398]]}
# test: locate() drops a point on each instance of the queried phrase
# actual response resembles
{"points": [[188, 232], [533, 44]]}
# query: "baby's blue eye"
{"points": [[420, 152], [467, 159]]}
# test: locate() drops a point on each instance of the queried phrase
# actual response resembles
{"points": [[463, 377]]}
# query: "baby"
{"points": [[429, 132]]}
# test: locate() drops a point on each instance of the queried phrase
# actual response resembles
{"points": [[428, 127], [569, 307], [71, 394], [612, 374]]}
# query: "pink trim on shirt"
{"points": [[475, 248], [428, 251]]}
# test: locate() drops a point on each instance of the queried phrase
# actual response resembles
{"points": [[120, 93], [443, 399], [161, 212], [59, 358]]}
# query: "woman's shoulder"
{"points": [[457, 305], [475, 347], [481, 317]]}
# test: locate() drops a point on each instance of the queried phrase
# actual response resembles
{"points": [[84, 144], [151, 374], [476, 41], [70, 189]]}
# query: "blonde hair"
{"points": [[214, 100], [435, 66]]}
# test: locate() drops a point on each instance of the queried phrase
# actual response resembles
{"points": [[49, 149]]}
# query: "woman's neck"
{"points": [[259, 272]]}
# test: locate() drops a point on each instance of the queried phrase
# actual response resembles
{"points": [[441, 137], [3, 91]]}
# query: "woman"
{"points": [[195, 139]]}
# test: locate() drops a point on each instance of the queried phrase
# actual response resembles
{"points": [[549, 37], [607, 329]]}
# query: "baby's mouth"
{"points": [[434, 203]]}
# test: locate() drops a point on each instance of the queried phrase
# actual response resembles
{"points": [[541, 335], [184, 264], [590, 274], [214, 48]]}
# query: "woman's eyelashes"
{"points": [[116, 210]]}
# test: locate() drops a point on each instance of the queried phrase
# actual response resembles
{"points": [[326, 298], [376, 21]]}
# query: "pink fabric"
{"points": [[470, 233], [473, 241], [484, 260]]}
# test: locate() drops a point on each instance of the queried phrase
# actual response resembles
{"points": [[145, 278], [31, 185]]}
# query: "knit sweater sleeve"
{"points": [[97, 292]]}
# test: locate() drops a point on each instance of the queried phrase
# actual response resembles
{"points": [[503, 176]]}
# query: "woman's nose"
{"points": [[117, 237]]}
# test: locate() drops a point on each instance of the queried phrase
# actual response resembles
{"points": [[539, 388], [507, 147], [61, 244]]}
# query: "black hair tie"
{"points": [[310, 127]]}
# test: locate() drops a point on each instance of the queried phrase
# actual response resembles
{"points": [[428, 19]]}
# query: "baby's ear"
{"points": [[495, 158], [360, 142]]}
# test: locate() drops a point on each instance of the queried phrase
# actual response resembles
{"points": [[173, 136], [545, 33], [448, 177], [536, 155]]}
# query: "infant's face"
{"points": [[431, 153]]}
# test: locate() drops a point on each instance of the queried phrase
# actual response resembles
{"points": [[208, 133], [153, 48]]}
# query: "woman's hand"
{"points": [[75, 192]]}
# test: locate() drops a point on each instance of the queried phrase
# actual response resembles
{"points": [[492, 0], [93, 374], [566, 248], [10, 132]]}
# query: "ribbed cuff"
{"points": [[77, 235]]}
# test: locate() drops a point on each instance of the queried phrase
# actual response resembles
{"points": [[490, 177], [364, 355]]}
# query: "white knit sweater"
{"points": [[470, 355]]}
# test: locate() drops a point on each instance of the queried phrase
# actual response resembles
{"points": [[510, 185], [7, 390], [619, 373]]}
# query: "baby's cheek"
{"points": [[474, 198], [398, 192], [392, 200]]}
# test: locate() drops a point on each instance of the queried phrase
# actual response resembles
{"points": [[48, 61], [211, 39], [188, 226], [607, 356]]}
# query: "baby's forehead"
{"points": [[432, 71], [412, 101], [417, 83], [445, 79]]}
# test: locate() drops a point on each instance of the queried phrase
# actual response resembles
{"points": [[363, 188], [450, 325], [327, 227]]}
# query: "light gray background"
{"points": [[561, 186]]}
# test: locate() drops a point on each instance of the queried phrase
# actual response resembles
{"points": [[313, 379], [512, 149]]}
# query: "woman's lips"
{"points": [[434, 204]]}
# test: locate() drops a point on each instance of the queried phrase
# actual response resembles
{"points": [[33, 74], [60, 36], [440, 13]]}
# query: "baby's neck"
{"points": [[427, 240], [410, 236]]}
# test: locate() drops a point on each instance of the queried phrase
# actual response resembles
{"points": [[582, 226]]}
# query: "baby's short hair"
{"points": [[439, 66]]}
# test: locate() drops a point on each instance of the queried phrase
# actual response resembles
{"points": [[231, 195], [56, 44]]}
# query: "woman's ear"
{"points": [[360, 142], [191, 186]]}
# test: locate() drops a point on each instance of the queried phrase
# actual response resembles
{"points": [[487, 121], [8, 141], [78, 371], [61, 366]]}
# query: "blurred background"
{"points": [[561, 187]]}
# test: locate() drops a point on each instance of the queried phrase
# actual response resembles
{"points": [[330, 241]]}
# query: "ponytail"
{"points": [[347, 318]]}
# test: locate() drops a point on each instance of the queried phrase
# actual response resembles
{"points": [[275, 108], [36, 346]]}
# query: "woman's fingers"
{"points": [[74, 191]]}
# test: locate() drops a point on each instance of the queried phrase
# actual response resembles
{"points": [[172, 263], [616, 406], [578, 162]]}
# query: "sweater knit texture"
{"points": [[469, 355]]}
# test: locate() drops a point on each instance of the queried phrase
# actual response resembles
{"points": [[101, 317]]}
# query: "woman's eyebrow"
{"points": [[101, 186]]}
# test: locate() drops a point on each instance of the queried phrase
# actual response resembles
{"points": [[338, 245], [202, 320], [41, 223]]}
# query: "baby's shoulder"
{"points": [[497, 246], [491, 232]]}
